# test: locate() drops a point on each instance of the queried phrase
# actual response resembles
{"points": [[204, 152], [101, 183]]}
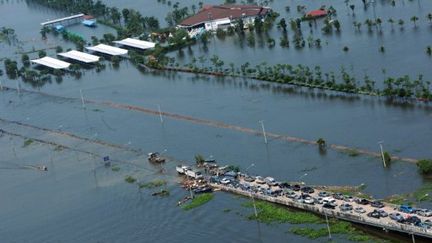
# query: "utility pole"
{"points": [[328, 225], [160, 113], [250, 193], [82, 99], [382, 153], [1, 86], [263, 131], [412, 237], [18, 87]]}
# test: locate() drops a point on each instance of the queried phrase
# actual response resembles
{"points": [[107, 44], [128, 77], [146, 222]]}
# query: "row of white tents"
{"points": [[89, 58]]}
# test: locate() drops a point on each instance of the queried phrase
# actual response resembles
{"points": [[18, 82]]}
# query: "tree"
{"points": [[401, 23], [337, 25], [429, 17], [352, 7], [25, 60], [125, 13], [282, 24], [425, 166], [414, 19], [429, 50], [41, 53], [391, 21], [199, 159], [321, 143]]}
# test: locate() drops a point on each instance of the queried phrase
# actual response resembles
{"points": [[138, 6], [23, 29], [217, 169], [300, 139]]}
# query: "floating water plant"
{"points": [[198, 201]]}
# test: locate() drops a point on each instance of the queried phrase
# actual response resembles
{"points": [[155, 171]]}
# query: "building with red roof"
{"points": [[316, 14], [213, 17]]}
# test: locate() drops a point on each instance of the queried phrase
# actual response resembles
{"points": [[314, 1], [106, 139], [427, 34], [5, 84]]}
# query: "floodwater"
{"points": [[79, 200]]}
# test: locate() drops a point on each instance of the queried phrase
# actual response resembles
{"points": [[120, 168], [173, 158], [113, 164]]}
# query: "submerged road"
{"points": [[216, 124]]}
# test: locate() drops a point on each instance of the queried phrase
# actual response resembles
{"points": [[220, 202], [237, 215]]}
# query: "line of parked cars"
{"points": [[305, 194]]}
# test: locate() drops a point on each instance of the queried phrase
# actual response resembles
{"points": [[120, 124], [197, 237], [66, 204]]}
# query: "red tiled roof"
{"points": [[316, 13], [224, 11]]}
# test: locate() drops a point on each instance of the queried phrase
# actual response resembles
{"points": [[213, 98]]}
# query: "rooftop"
{"points": [[80, 56], [140, 44], [106, 49], [224, 11], [51, 62]]}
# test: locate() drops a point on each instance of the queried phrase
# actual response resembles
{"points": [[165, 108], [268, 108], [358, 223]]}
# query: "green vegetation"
{"points": [[352, 152], [152, 184], [398, 199], [198, 201], [227, 210], [272, 213], [423, 193], [28, 142], [130, 179], [115, 168], [387, 158], [336, 227], [199, 159], [425, 166]]}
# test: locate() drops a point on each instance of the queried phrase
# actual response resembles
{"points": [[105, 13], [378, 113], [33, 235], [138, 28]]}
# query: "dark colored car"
{"points": [[362, 201], [323, 194], [329, 206], [377, 204], [307, 189], [374, 214], [413, 220], [338, 196], [296, 187], [285, 185]]}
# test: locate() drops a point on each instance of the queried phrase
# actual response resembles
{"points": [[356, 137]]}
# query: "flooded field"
{"points": [[80, 200]]}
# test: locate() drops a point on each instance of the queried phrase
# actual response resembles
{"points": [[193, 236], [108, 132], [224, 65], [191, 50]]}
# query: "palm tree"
{"points": [[401, 22], [429, 17], [414, 20], [391, 21]]}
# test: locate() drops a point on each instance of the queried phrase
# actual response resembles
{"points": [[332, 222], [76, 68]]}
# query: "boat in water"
{"points": [[181, 169]]}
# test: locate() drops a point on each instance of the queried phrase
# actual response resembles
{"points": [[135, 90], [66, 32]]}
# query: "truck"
{"points": [[194, 174]]}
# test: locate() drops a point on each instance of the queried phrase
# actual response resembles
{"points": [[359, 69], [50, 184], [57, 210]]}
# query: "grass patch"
{"points": [[130, 179], [198, 201], [336, 227], [115, 168], [423, 193], [227, 210], [152, 184], [352, 152], [272, 213], [27, 142], [397, 199]]}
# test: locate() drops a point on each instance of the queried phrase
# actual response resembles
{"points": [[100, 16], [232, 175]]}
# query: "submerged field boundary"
{"points": [[216, 124]]}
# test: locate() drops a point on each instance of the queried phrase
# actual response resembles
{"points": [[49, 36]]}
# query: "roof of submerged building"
{"points": [[211, 12]]}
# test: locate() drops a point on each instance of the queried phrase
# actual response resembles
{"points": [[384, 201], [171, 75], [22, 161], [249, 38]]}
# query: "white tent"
{"points": [[140, 44], [110, 50], [80, 56], [51, 62]]}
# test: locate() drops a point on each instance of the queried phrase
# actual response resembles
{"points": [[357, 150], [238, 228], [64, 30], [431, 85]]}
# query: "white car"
{"points": [[359, 210], [259, 180], [225, 181], [424, 212]]}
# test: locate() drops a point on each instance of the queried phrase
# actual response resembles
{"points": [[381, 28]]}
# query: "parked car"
{"points": [[329, 206], [285, 185], [346, 207], [259, 180], [270, 181], [307, 189], [406, 209], [338, 196], [424, 212], [374, 214], [225, 181], [428, 222], [382, 213], [319, 200], [323, 194], [359, 210], [249, 179], [362, 201], [296, 187], [396, 217], [329, 200], [309, 200], [348, 198], [290, 194], [414, 220], [377, 204]]}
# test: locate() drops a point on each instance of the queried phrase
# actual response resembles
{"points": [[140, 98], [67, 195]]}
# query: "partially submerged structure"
{"points": [[80, 56], [109, 50], [135, 43], [51, 63], [314, 14], [221, 16]]}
